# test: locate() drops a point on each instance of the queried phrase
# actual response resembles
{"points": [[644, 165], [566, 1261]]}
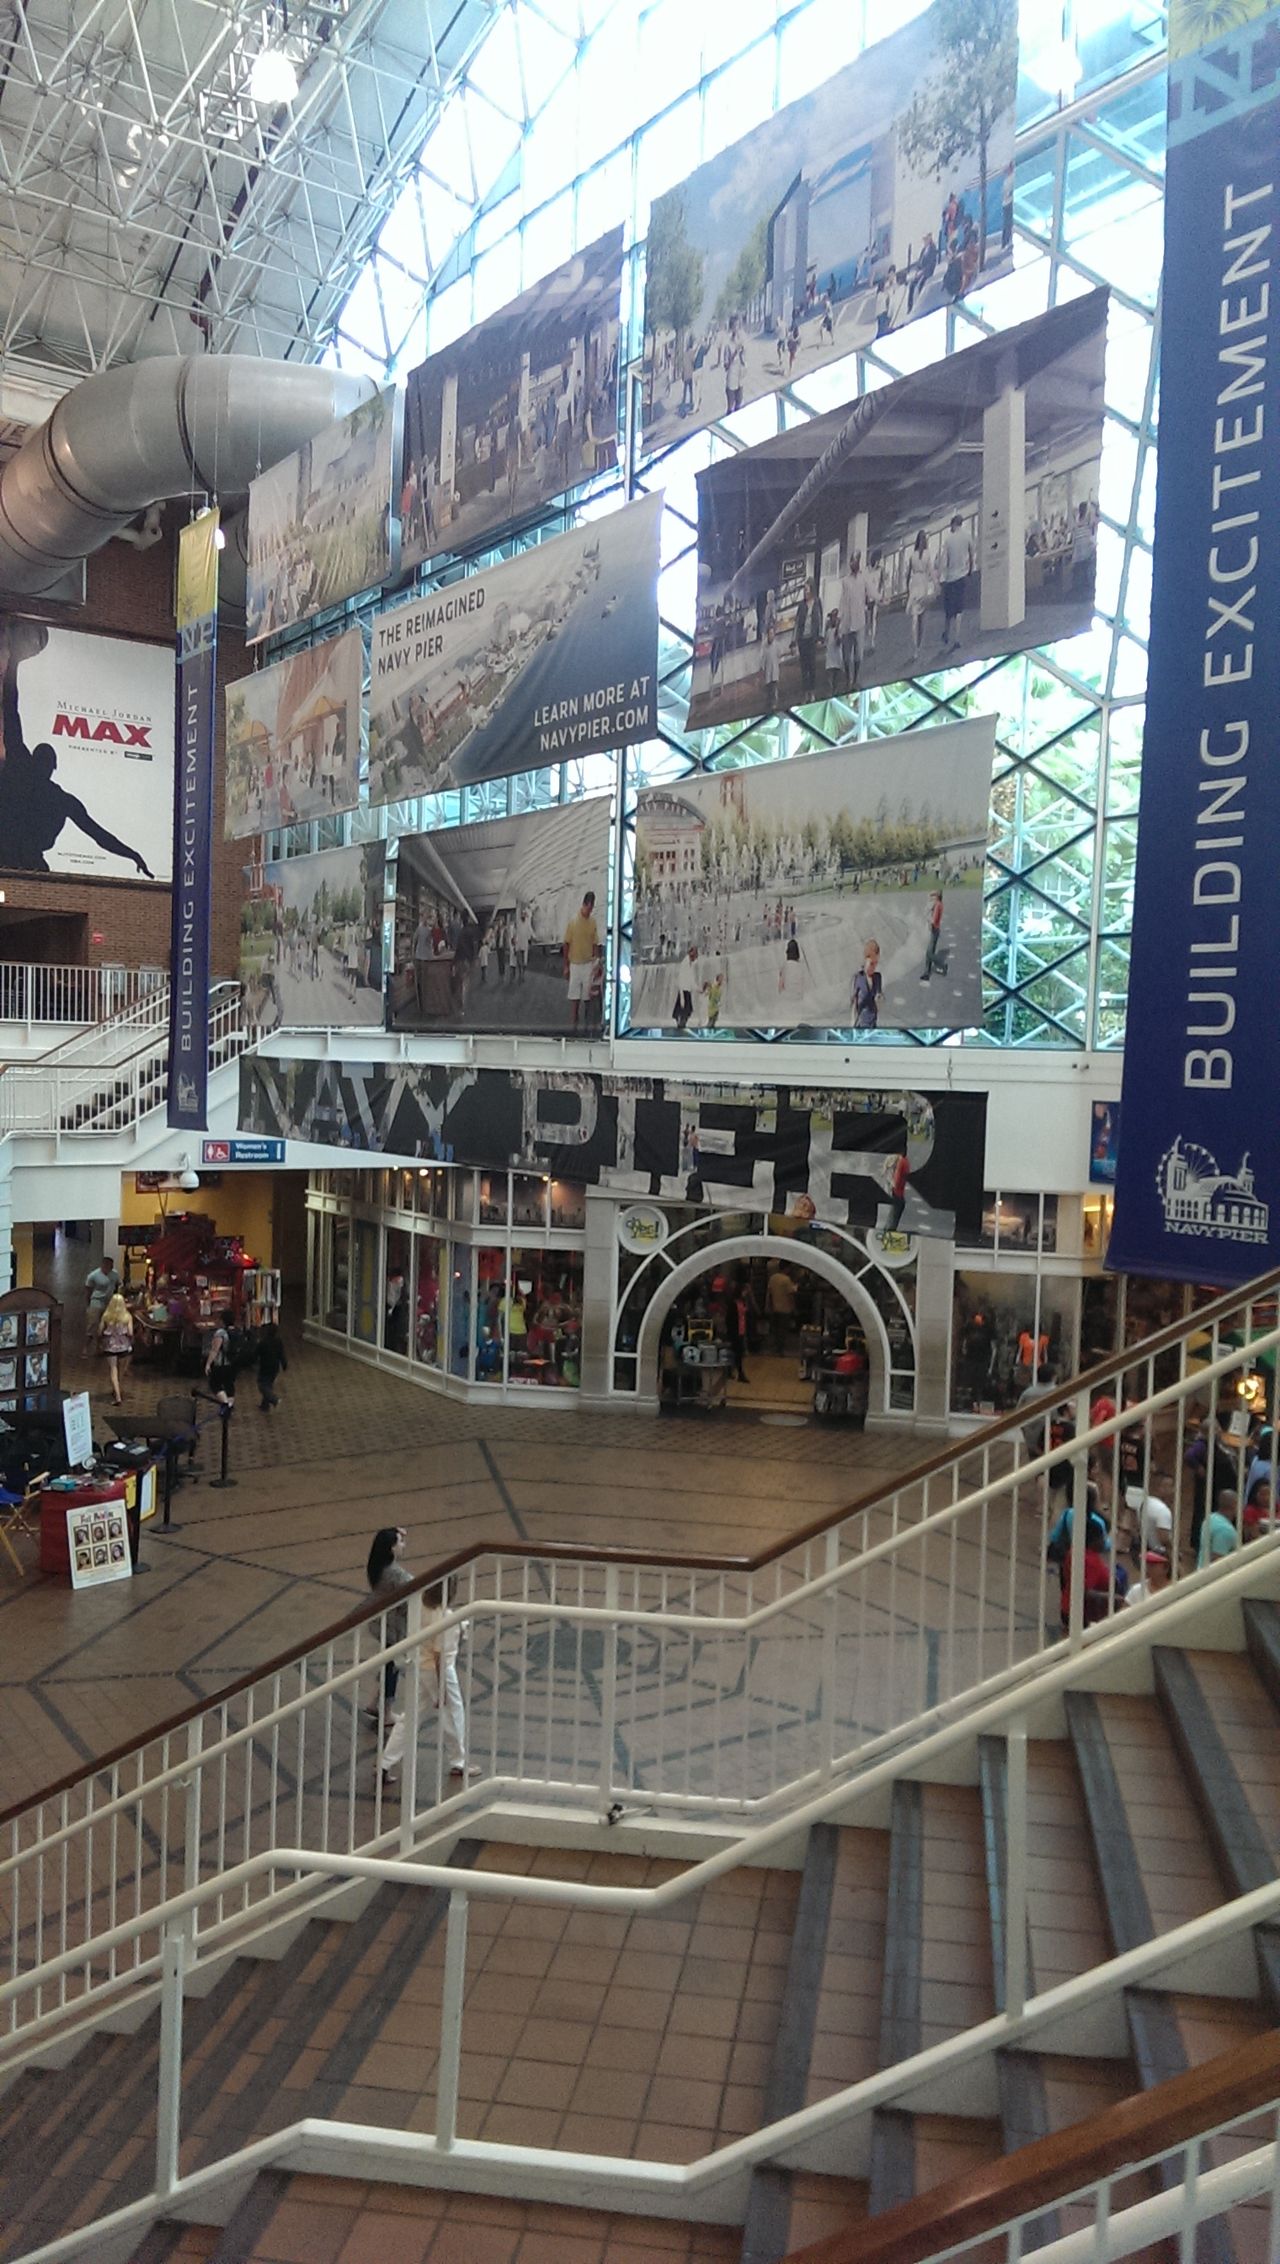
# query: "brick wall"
{"points": [[130, 594]]}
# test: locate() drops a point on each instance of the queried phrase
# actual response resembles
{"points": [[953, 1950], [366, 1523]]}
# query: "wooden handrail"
{"points": [[958, 1450], [1050, 2170]]}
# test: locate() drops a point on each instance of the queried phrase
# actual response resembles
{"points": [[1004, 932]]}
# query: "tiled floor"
{"points": [[246, 1573], [331, 2221]]}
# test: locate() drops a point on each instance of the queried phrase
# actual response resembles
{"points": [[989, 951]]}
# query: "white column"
{"points": [[856, 536], [449, 438], [598, 1271], [935, 1279], [1002, 527]]}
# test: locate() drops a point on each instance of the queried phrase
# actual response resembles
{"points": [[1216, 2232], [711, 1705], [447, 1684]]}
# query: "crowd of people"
{"points": [[1143, 1523]]}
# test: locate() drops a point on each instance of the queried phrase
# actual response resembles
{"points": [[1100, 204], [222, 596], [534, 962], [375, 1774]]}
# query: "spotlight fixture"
{"points": [[273, 78]]}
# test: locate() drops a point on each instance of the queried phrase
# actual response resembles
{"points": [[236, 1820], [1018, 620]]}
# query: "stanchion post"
{"points": [[222, 1479]]}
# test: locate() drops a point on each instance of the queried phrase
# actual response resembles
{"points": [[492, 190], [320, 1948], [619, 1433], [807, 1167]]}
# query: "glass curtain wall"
{"points": [[572, 117]]}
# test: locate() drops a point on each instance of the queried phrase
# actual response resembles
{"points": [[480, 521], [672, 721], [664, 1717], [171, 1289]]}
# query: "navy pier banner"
{"points": [[1198, 1171], [197, 612]]}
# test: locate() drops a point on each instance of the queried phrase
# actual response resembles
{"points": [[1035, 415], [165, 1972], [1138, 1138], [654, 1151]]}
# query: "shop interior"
{"points": [[764, 1337]]}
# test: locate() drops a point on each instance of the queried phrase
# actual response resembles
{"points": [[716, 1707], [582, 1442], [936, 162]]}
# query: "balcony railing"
{"points": [[32, 993]]}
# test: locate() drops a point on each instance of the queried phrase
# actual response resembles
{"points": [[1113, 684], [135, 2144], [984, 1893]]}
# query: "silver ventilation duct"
{"points": [[150, 430]]}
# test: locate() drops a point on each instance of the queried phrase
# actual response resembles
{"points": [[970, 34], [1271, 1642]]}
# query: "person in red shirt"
{"points": [[898, 1194]]}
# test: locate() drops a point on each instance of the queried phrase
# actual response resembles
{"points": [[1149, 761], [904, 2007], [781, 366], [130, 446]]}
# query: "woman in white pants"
{"points": [[438, 1682]]}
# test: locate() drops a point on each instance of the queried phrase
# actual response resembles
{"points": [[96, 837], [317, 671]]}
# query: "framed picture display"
{"points": [[98, 1544], [8, 1374], [36, 1373], [8, 1330], [37, 1329]]}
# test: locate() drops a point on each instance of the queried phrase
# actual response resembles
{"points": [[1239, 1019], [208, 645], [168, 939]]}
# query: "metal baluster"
{"points": [[64, 1867], [191, 1827], [609, 1690], [326, 1747], [411, 1670], [173, 1953], [829, 1660], [688, 1692], [1015, 1938], [454, 1990], [300, 1761]]}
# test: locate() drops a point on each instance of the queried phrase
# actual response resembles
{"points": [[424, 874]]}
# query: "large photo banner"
{"points": [[293, 738], [320, 523], [311, 947], [897, 1162], [521, 408], [550, 655], [503, 925], [191, 818], [1198, 1165], [884, 195], [840, 890], [951, 516], [86, 786]]}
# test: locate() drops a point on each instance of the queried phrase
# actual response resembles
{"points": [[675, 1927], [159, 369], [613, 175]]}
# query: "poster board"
{"points": [[98, 1544], [550, 655], [293, 738], [948, 517], [86, 786], [884, 195], [837, 891], [503, 925], [522, 407], [77, 1429], [320, 523], [311, 939]]}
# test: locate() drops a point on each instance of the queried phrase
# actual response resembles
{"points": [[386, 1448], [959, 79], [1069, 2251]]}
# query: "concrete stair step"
{"points": [[1154, 1866]]}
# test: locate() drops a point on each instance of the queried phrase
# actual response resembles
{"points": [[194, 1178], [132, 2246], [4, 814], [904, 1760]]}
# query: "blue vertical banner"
{"points": [[1198, 1171], [197, 615]]}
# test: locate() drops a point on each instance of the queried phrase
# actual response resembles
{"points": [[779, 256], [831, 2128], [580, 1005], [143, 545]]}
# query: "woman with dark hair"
{"points": [[385, 1572], [441, 1686]]}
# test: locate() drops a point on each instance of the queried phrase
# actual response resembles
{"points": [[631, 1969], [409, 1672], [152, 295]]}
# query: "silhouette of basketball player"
{"points": [[33, 808]]}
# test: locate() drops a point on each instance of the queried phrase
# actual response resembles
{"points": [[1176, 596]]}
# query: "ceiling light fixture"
{"points": [[273, 78]]}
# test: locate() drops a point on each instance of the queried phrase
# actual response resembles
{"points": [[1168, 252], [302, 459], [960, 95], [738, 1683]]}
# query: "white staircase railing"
{"points": [[720, 1693], [33, 993], [104, 1080]]}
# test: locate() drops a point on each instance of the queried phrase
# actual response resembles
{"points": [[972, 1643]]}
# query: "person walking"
{"points": [[386, 1571], [272, 1360], [866, 988], [581, 950], [921, 587], [423, 952], [935, 935], [100, 1287], [854, 594], [219, 1366], [116, 1338], [808, 624], [780, 1306], [439, 1655], [955, 564]]}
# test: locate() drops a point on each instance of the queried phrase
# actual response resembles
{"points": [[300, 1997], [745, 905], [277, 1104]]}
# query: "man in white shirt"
{"points": [[524, 937], [1155, 1526], [854, 593], [955, 564]]}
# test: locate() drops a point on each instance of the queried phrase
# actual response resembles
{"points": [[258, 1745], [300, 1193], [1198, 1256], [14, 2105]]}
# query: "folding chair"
{"points": [[17, 1512]]}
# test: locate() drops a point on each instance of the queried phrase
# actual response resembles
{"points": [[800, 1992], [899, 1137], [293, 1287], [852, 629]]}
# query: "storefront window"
{"points": [[320, 1270], [396, 1294], [430, 1329], [1018, 1222], [568, 1206], [462, 1196], [403, 1189], [491, 1284], [493, 1198], [364, 1310], [546, 1296], [339, 1284], [1006, 1327], [460, 1304], [528, 1200], [433, 1194]]}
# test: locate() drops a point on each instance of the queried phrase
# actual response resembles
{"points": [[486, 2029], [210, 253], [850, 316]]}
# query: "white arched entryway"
{"points": [[739, 1248]]}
